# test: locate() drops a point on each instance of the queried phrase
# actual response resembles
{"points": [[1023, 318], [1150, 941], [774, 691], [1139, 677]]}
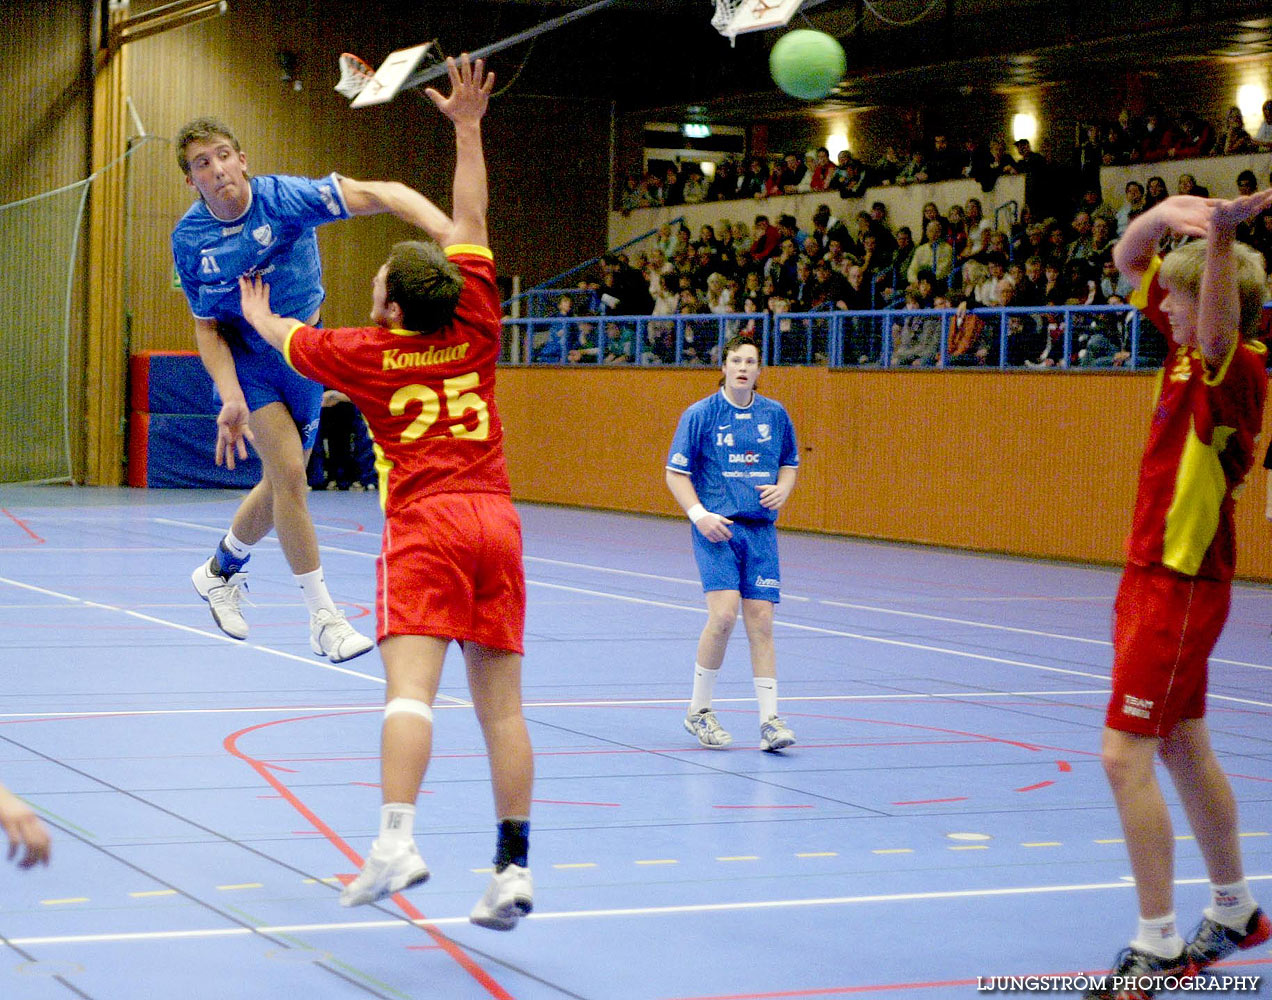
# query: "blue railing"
{"points": [[552, 287], [1012, 337]]}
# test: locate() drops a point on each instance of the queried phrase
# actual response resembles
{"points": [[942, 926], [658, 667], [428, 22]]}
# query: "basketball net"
{"points": [[723, 19], [727, 22], [354, 75]]}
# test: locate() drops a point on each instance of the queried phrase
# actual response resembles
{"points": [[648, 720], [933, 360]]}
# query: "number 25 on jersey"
{"points": [[459, 402]]}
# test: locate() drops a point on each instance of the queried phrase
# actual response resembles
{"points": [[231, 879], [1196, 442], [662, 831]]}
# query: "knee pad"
{"points": [[409, 706]]}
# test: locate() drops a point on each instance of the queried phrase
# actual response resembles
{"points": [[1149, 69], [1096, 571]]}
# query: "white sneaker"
{"points": [[383, 875], [775, 734], [508, 898], [704, 725], [223, 596], [331, 635]]}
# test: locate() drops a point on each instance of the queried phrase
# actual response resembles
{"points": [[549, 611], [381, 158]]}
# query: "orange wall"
{"points": [[1037, 464]]}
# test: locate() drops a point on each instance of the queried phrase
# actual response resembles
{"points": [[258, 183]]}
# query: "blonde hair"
{"points": [[1183, 267]]}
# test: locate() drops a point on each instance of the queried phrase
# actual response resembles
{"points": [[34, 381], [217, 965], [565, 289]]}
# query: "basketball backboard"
{"points": [[396, 69], [736, 17]]}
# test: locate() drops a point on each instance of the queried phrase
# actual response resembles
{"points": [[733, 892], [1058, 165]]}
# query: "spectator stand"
{"points": [[540, 301], [1216, 173], [842, 339], [904, 203]]}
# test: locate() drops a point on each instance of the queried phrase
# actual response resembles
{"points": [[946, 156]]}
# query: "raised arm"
{"points": [[1186, 215], [1218, 304], [465, 107], [374, 197]]}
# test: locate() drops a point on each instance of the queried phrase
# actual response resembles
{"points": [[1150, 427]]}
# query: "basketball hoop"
{"points": [[736, 17], [354, 75]]}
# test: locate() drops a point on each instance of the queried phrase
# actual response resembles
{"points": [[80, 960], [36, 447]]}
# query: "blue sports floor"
{"points": [[943, 816]]}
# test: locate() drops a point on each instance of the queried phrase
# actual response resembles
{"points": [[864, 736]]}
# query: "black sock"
{"points": [[513, 844]]}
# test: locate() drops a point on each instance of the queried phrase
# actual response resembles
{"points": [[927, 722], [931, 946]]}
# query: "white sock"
{"points": [[766, 694], [236, 547], [1231, 905], [314, 587], [1159, 936], [703, 687], [397, 824]]}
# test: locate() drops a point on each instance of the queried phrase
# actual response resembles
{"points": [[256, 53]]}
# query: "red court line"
{"points": [[454, 951], [930, 985], [835, 991], [1034, 788], [23, 525], [928, 802]]}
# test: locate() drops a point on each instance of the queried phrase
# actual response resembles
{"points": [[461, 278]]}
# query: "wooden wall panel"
{"points": [[44, 105], [1036, 464], [45, 110]]}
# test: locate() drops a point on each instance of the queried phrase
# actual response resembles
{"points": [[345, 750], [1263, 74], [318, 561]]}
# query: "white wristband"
{"points": [[697, 512]]}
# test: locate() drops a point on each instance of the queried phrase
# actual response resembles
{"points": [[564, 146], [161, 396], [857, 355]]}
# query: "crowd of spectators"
{"points": [[1149, 138], [950, 258]]}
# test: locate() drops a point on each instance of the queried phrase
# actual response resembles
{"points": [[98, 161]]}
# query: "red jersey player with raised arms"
{"points": [[1175, 592], [450, 566]]}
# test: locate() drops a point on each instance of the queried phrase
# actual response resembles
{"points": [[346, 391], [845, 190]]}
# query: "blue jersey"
{"points": [[729, 450], [274, 238]]}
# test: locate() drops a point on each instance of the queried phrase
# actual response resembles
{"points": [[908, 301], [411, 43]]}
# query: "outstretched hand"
{"points": [[1187, 214], [1227, 214], [26, 833], [470, 91]]}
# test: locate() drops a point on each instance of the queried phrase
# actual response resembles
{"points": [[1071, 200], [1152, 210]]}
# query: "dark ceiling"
{"points": [[659, 56]]}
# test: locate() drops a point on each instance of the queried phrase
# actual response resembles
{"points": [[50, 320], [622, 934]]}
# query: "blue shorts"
{"points": [[747, 562], [266, 378]]}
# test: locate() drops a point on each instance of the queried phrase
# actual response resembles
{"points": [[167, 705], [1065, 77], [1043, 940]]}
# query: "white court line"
{"points": [[602, 703], [633, 911], [922, 647], [205, 633], [873, 609]]}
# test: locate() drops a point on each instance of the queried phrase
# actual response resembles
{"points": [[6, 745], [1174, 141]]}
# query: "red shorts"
{"points": [[1165, 626], [450, 566]]}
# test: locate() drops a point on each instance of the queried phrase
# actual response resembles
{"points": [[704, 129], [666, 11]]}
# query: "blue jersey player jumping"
{"points": [[244, 225], [732, 465]]}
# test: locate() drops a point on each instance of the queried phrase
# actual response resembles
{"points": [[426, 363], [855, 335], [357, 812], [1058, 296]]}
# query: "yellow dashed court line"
{"points": [[893, 850], [741, 857], [818, 854], [242, 885], [1111, 840], [1254, 833], [482, 871], [319, 881], [1184, 836], [659, 861], [153, 892], [63, 902], [969, 847], [577, 864], [1042, 843]]}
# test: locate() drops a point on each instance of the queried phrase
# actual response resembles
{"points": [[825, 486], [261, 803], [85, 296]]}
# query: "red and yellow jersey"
{"points": [[1200, 448], [428, 400]]}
